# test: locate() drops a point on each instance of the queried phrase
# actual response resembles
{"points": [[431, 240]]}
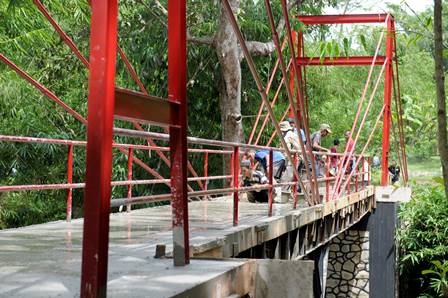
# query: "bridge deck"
{"points": [[45, 260]]}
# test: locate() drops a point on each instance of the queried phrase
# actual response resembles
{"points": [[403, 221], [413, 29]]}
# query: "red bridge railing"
{"points": [[234, 150]]}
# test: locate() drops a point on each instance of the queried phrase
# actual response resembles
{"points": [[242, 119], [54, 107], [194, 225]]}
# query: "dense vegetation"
{"points": [[424, 243], [30, 42]]}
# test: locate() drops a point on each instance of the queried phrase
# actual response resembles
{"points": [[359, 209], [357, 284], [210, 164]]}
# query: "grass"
{"points": [[423, 171]]}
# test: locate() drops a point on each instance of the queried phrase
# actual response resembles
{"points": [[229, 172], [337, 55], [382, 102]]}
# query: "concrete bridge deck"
{"points": [[45, 260]]}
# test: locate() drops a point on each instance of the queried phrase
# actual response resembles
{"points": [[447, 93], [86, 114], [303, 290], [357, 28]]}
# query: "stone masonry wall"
{"points": [[348, 265]]}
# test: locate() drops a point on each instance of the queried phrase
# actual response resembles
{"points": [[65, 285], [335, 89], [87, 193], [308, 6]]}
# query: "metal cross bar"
{"points": [[364, 92], [343, 19], [261, 90], [274, 100], [42, 89], [61, 33], [301, 107], [298, 125], [349, 154], [135, 106], [268, 87], [129, 68], [341, 61], [365, 147]]}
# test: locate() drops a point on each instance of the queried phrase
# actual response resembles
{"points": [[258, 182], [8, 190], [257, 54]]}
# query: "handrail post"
{"points": [[232, 159], [327, 181], [294, 187], [348, 181], [363, 173], [271, 180], [130, 160], [205, 170], [356, 178], [236, 182], [369, 170], [69, 181]]}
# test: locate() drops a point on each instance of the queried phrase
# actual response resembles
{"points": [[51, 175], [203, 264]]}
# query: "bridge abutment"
{"points": [[348, 265]]}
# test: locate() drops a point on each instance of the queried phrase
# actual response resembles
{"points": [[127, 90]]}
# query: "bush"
{"points": [[423, 238]]}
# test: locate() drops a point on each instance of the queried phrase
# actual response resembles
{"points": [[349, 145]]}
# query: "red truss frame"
{"points": [[361, 61]]}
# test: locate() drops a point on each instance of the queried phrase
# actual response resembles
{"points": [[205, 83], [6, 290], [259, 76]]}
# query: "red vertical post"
{"points": [[70, 181], [103, 50], [356, 178], [327, 180], [292, 88], [177, 91], [294, 187], [130, 158], [369, 168], [232, 181], [205, 170], [348, 182], [236, 182], [271, 180], [363, 173], [387, 99]]}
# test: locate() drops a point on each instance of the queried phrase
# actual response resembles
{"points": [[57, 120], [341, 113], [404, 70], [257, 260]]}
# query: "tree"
{"points": [[230, 56], [440, 88]]}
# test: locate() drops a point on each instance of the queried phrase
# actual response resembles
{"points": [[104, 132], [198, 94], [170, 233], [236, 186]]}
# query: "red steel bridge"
{"points": [[107, 102]]}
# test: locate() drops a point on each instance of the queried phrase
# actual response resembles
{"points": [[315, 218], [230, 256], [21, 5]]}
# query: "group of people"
{"points": [[255, 163]]}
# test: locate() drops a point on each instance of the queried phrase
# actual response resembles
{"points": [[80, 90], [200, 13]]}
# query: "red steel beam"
{"points": [[131, 70], [341, 61], [129, 67], [387, 100], [61, 33], [177, 91], [42, 89], [343, 19], [135, 106], [103, 50]]}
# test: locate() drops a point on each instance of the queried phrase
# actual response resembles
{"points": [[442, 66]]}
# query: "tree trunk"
{"points": [[227, 50], [440, 86]]}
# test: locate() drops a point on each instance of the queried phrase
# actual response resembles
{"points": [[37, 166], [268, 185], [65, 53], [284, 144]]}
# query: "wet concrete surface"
{"points": [[45, 260]]}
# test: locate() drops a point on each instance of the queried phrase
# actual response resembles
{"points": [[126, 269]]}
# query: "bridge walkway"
{"points": [[44, 260]]}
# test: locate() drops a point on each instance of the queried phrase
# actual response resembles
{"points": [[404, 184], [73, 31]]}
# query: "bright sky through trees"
{"points": [[380, 6]]}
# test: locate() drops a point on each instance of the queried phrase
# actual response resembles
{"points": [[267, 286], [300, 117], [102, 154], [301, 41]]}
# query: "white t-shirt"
{"points": [[292, 140]]}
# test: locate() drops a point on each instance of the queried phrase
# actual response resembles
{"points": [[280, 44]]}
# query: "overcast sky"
{"points": [[372, 6]]}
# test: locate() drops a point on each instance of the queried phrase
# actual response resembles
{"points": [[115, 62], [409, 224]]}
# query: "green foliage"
{"points": [[28, 40], [423, 236], [439, 279]]}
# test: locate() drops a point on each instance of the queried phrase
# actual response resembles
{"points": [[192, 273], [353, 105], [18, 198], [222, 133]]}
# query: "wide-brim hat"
{"points": [[326, 127], [285, 126]]}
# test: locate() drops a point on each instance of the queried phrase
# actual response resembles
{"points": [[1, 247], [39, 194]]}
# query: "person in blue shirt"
{"points": [[262, 157]]}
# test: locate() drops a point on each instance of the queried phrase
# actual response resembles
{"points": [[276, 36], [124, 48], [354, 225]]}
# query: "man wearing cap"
{"points": [[291, 138], [302, 133], [316, 139]]}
